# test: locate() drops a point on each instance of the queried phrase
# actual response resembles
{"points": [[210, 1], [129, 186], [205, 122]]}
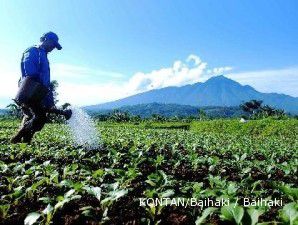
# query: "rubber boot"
{"points": [[17, 138], [27, 138], [23, 132]]}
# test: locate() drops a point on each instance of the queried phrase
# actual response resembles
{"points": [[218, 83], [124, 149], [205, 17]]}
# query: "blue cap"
{"points": [[51, 36]]}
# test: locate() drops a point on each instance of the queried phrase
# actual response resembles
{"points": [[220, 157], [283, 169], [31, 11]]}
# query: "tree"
{"points": [[119, 116], [202, 115], [53, 87], [53, 117], [256, 110], [14, 110], [251, 106], [157, 117], [267, 111]]}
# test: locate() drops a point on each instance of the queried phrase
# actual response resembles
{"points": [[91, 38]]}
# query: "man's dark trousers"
{"points": [[34, 119]]}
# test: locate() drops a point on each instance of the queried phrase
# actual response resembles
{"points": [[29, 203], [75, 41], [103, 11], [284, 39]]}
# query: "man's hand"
{"points": [[66, 113]]}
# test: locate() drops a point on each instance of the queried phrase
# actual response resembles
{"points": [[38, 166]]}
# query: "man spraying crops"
{"points": [[35, 96]]}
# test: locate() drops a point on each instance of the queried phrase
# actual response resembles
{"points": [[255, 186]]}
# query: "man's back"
{"points": [[35, 64]]}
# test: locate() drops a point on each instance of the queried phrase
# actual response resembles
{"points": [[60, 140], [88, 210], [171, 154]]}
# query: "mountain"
{"points": [[3, 112], [171, 110], [217, 91]]}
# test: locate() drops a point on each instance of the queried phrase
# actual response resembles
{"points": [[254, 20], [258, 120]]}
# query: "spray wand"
{"points": [[67, 113]]}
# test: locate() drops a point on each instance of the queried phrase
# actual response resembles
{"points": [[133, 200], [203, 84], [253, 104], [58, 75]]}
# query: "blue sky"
{"points": [[112, 49]]}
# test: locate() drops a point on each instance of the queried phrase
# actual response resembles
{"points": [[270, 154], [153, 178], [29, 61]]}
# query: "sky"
{"points": [[113, 49]]}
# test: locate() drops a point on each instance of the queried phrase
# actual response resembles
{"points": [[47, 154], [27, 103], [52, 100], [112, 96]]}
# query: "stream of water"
{"points": [[83, 129]]}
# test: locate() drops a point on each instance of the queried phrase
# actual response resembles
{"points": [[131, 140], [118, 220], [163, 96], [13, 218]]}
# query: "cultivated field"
{"points": [[153, 173]]}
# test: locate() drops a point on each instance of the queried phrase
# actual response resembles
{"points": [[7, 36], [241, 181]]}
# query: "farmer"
{"points": [[35, 71]]}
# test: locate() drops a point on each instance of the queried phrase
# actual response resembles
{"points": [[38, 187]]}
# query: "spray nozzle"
{"points": [[67, 113]]}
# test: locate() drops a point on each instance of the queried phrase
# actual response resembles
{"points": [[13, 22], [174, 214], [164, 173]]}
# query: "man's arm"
{"points": [[66, 113], [48, 101], [51, 108]]}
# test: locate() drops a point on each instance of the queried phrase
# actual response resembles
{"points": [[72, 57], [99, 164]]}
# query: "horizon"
{"points": [[112, 51], [216, 76]]}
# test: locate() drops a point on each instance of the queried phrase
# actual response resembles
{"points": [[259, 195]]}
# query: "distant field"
{"points": [[51, 182]]}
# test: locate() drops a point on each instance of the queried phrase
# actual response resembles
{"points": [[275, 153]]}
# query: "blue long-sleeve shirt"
{"points": [[35, 64]]}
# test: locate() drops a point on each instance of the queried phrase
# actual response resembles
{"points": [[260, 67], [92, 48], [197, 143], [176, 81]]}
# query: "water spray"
{"points": [[83, 129]]}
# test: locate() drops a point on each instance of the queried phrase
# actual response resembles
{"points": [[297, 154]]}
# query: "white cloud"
{"points": [[84, 86], [81, 85], [84, 93], [180, 73], [80, 74], [87, 94], [8, 84], [219, 70], [283, 80], [192, 70]]}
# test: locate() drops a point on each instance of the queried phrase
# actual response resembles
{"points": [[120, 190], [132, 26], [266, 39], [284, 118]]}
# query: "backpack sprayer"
{"points": [[32, 92]]}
